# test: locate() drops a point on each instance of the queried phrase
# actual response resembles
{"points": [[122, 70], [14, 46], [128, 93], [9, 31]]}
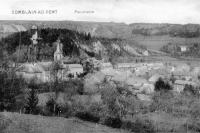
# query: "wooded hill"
{"points": [[75, 44]]}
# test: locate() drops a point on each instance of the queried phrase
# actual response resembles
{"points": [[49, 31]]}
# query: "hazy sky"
{"points": [[127, 11]]}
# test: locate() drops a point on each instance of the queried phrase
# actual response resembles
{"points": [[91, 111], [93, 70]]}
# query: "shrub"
{"points": [[192, 126], [162, 102], [190, 90], [195, 110], [161, 85], [87, 116], [113, 122], [50, 105], [10, 87], [53, 108], [139, 126], [72, 87]]}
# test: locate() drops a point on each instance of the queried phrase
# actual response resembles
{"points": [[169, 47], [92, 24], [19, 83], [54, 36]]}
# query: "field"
{"points": [[21, 123]]}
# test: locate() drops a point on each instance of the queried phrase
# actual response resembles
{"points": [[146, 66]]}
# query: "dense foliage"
{"points": [[10, 87], [162, 85]]}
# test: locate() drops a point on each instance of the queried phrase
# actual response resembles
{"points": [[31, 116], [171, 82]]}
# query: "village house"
{"points": [[147, 88], [155, 78], [183, 48], [145, 53], [106, 65], [179, 85], [41, 71], [72, 69], [124, 66], [33, 71]]}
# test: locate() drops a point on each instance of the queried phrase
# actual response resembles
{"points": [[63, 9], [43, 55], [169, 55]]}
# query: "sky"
{"points": [[123, 11]]}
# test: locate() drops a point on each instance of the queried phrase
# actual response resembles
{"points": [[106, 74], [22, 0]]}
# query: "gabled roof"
{"points": [[30, 68], [184, 82], [45, 65], [155, 78], [75, 66]]}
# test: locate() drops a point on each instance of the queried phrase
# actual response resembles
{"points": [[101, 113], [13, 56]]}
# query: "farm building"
{"points": [[73, 69], [179, 85], [125, 66], [183, 48], [106, 65], [31, 71]]}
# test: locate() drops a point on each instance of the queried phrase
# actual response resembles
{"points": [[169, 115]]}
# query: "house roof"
{"points": [[108, 64], [155, 77], [184, 82], [75, 66], [30, 68], [136, 81], [45, 65], [126, 65]]}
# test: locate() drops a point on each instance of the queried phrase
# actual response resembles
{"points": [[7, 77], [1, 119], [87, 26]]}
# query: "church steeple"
{"points": [[34, 37], [58, 55]]}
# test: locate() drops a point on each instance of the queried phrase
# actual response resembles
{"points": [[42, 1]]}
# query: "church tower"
{"points": [[58, 55], [34, 37], [33, 48]]}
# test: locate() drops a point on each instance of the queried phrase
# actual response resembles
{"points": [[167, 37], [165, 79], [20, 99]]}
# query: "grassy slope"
{"points": [[16, 123]]}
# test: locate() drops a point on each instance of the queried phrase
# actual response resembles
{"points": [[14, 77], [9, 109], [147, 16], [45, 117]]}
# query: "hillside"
{"points": [[111, 29], [21, 123], [75, 44], [147, 34]]}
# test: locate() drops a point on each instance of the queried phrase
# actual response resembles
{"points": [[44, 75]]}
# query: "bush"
{"points": [[87, 116], [72, 87], [10, 87], [113, 122], [50, 107], [139, 126], [162, 102], [192, 126], [161, 85], [190, 90], [53, 108]]}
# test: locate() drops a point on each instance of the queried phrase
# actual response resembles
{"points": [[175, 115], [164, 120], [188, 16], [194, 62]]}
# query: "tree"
{"points": [[10, 87], [32, 99], [161, 85], [89, 67], [191, 90]]}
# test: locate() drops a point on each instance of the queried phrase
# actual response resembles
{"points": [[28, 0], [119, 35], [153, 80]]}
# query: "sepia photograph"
{"points": [[100, 66]]}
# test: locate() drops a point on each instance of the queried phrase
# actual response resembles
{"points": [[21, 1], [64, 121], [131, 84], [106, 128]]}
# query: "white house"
{"points": [[145, 53], [125, 66], [183, 48], [74, 69], [106, 65], [179, 85]]}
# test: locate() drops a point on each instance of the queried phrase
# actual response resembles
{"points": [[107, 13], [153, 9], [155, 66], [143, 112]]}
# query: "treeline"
{"points": [[18, 44], [185, 31], [19, 48], [192, 50]]}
